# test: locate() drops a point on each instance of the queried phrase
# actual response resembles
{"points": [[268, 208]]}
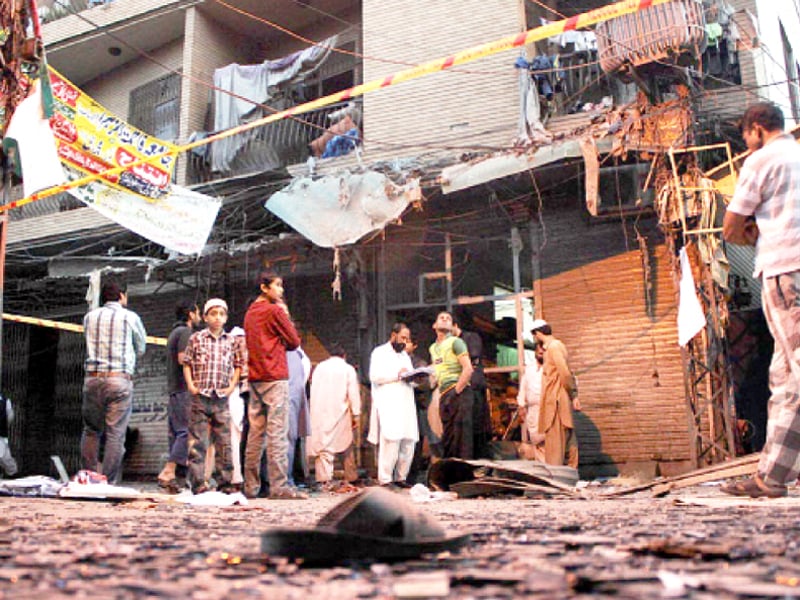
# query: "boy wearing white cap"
{"points": [[212, 363]]}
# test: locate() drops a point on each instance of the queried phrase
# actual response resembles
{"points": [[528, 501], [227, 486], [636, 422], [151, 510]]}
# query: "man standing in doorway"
{"points": [[453, 367], [393, 419], [115, 336], [765, 212], [559, 398], [173, 476], [335, 411], [529, 400]]}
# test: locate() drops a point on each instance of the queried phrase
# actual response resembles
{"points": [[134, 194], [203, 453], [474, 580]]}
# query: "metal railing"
{"points": [[271, 146], [58, 9]]}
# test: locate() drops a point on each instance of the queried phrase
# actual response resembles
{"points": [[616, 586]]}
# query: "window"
{"points": [[339, 72], [156, 107]]}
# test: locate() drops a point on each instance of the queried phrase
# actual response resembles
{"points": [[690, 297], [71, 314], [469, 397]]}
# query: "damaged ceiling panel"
{"points": [[336, 210], [466, 175]]}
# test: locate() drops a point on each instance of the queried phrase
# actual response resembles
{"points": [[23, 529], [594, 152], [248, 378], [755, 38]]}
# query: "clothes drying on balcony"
{"points": [[530, 128], [319, 145], [544, 70], [582, 41], [343, 144], [239, 89]]}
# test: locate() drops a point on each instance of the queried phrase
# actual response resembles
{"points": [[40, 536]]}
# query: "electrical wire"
{"points": [[150, 57]]}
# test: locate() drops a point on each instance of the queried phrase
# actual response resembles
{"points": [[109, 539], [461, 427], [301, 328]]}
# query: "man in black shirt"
{"points": [[481, 419], [173, 476]]}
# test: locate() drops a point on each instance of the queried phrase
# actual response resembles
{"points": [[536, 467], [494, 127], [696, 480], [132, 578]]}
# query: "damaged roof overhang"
{"points": [[503, 164]]}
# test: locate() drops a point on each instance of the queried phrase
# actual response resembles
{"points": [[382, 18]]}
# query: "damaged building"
{"points": [[539, 181]]}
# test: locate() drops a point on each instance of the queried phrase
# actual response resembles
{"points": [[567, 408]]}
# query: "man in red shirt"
{"points": [[269, 333]]}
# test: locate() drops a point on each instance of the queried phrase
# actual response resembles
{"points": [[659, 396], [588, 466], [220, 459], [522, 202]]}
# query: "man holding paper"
{"points": [[393, 418]]}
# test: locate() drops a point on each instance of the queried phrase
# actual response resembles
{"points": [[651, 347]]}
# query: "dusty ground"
{"points": [[631, 547]]}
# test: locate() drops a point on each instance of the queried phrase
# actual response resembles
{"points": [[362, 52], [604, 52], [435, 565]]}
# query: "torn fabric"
{"points": [[530, 128], [30, 131], [592, 176], [181, 222], [502, 164], [338, 210], [691, 318]]}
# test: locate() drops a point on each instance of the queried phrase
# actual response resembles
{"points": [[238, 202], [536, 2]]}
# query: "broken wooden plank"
{"points": [[743, 465], [662, 489]]}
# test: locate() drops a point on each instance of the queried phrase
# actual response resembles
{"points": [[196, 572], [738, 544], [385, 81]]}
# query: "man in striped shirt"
{"points": [[115, 336], [765, 211]]}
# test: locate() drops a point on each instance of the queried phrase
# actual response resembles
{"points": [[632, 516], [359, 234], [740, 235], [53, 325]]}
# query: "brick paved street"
{"points": [[630, 547]]}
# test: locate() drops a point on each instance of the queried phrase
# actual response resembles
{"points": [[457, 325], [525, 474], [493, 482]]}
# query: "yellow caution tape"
{"points": [[158, 341]]}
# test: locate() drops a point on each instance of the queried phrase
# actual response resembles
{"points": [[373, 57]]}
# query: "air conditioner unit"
{"points": [[619, 190]]}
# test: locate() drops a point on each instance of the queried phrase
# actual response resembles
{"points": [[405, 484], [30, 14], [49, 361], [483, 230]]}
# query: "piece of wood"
{"points": [[734, 471], [743, 465]]}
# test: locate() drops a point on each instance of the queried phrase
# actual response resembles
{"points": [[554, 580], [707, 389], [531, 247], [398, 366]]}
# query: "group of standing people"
{"points": [[207, 370], [216, 377], [208, 367]]}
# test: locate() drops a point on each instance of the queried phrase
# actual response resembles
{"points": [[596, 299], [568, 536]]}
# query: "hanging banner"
{"points": [[91, 140], [181, 221]]}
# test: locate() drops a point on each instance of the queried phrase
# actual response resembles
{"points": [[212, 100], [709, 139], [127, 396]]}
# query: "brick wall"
{"points": [[481, 98]]}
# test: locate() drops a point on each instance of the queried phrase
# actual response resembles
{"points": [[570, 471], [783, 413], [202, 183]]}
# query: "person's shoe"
{"points": [[754, 487], [201, 489], [288, 493], [170, 487], [167, 474], [231, 488], [403, 485]]}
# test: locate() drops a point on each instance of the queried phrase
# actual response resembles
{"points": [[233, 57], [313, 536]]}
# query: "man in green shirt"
{"points": [[450, 359]]}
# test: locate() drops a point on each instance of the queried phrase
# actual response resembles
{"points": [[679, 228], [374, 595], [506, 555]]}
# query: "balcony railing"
{"points": [[58, 9], [271, 146]]}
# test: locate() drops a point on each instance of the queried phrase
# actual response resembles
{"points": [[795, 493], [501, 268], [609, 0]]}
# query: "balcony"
{"points": [[275, 145], [53, 10]]}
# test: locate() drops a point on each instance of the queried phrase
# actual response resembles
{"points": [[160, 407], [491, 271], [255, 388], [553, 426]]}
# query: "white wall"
{"points": [[770, 63]]}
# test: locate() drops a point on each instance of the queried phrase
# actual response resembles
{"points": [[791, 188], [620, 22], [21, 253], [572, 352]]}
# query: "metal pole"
{"points": [[3, 232], [448, 267], [536, 269], [516, 248]]}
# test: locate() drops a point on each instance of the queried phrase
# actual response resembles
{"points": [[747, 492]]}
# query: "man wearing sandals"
{"points": [[765, 212]]}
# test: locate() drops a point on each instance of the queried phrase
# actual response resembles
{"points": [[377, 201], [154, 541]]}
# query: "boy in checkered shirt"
{"points": [[212, 363]]}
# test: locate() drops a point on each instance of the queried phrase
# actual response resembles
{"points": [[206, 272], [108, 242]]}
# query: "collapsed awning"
{"points": [[341, 209], [502, 164]]}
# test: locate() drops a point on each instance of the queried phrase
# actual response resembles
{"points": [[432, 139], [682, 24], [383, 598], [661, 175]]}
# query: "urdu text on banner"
{"points": [[91, 140]]}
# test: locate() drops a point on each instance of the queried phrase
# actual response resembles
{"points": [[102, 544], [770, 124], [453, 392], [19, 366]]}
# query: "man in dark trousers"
{"points": [[173, 476], [481, 419], [450, 359]]}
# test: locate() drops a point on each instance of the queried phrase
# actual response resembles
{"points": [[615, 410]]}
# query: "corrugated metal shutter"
{"points": [[628, 362]]}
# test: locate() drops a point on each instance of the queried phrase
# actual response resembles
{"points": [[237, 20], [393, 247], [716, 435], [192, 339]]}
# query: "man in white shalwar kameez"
{"points": [[529, 400], [393, 418], [335, 409]]}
